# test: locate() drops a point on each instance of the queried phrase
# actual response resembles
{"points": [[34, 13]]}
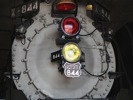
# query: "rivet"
{"points": [[26, 71], [24, 60], [36, 18], [101, 53], [40, 16], [112, 66], [111, 56], [13, 55], [30, 82], [14, 49], [103, 61], [40, 20], [30, 39], [112, 62], [109, 47], [30, 97], [100, 79], [13, 65], [83, 18], [55, 21], [26, 49], [45, 25], [77, 37], [19, 85], [89, 20], [99, 44], [13, 59], [63, 37], [37, 31], [14, 70], [110, 32], [88, 95], [83, 22], [94, 46], [95, 88], [84, 28], [37, 92]]}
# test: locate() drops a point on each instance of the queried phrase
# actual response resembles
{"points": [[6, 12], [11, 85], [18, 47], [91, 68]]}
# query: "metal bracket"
{"points": [[62, 41]]}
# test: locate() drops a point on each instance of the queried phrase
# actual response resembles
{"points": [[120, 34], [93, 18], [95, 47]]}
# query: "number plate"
{"points": [[25, 10], [72, 69]]}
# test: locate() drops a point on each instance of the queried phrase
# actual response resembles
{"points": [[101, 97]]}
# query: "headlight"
{"points": [[71, 52]]}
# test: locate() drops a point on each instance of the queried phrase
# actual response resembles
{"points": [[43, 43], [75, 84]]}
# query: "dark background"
{"points": [[121, 22]]}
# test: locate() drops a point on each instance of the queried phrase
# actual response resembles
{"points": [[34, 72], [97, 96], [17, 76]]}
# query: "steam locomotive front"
{"points": [[61, 55]]}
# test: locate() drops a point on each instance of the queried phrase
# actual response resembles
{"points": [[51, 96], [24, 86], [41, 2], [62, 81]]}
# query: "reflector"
{"points": [[89, 7], [71, 52], [65, 5], [70, 26]]}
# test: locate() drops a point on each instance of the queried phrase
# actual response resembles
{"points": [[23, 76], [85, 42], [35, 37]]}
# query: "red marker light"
{"points": [[65, 6], [70, 26]]}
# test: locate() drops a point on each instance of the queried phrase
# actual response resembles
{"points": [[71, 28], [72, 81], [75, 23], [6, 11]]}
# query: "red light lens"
{"points": [[70, 26], [65, 6]]}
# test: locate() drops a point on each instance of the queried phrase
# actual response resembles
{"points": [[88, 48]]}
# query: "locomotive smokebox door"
{"points": [[76, 67]]}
